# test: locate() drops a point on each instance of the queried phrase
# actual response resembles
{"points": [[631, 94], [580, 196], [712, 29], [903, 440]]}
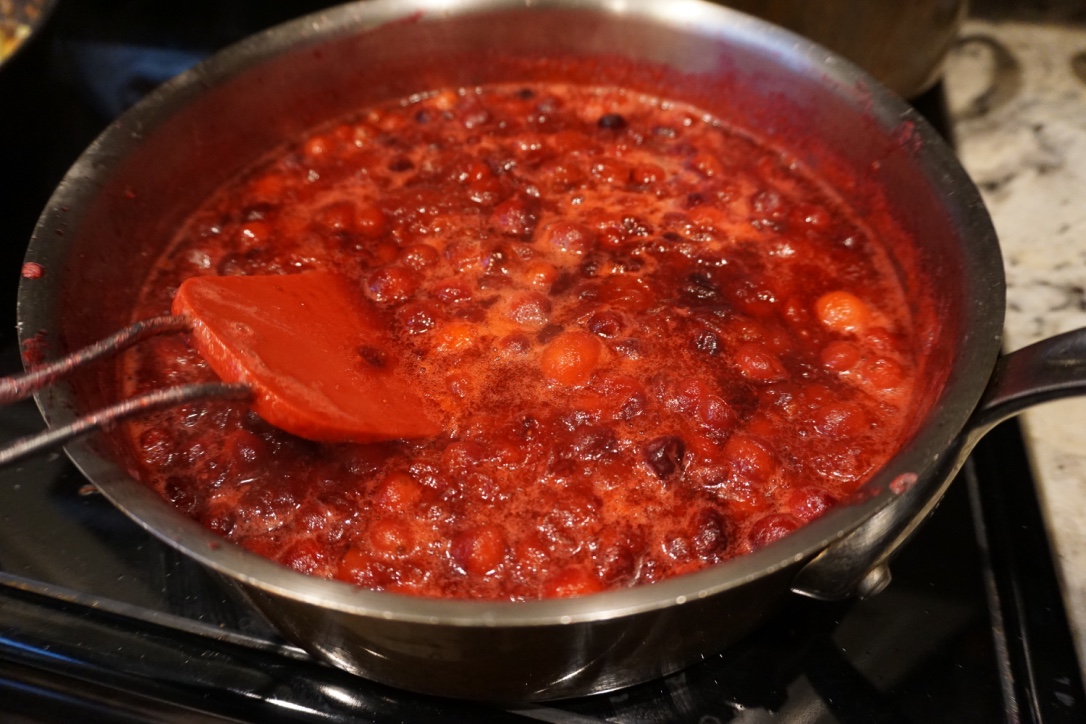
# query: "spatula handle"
{"points": [[156, 400], [18, 387]]}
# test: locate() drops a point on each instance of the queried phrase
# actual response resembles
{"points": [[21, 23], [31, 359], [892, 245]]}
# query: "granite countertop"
{"points": [[1017, 95]]}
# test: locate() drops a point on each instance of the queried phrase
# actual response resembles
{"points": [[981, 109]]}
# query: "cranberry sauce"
{"points": [[655, 344]]}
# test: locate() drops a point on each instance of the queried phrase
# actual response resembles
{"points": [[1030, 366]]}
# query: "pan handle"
{"points": [[858, 564]]}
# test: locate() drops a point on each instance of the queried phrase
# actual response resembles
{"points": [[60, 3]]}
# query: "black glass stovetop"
{"points": [[101, 622]]}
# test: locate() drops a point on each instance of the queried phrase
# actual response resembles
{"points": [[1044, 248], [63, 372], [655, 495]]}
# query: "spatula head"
{"points": [[315, 356]]}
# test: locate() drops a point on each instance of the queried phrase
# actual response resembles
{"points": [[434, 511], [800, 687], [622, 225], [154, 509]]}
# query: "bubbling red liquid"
{"points": [[655, 342]]}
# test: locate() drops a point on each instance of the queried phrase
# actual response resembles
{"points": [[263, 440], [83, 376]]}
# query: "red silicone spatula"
{"points": [[315, 357], [311, 357]]}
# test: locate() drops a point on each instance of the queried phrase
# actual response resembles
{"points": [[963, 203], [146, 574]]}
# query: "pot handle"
{"points": [[858, 563]]}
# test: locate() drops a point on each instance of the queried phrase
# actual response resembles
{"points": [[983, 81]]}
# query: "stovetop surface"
{"points": [[99, 619]]}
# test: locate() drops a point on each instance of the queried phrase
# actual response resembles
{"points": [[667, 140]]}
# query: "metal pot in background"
{"points": [[900, 42]]}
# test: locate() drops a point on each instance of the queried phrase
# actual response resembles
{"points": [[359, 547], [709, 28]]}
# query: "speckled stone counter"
{"points": [[1017, 94]]}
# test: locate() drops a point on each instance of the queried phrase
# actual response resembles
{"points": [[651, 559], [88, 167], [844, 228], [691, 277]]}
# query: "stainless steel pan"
{"points": [[117, 207], [902, 43]]}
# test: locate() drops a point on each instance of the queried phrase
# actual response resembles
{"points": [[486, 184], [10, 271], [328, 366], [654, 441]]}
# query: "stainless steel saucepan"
{"points": [[902, 43], [118, 206]]}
